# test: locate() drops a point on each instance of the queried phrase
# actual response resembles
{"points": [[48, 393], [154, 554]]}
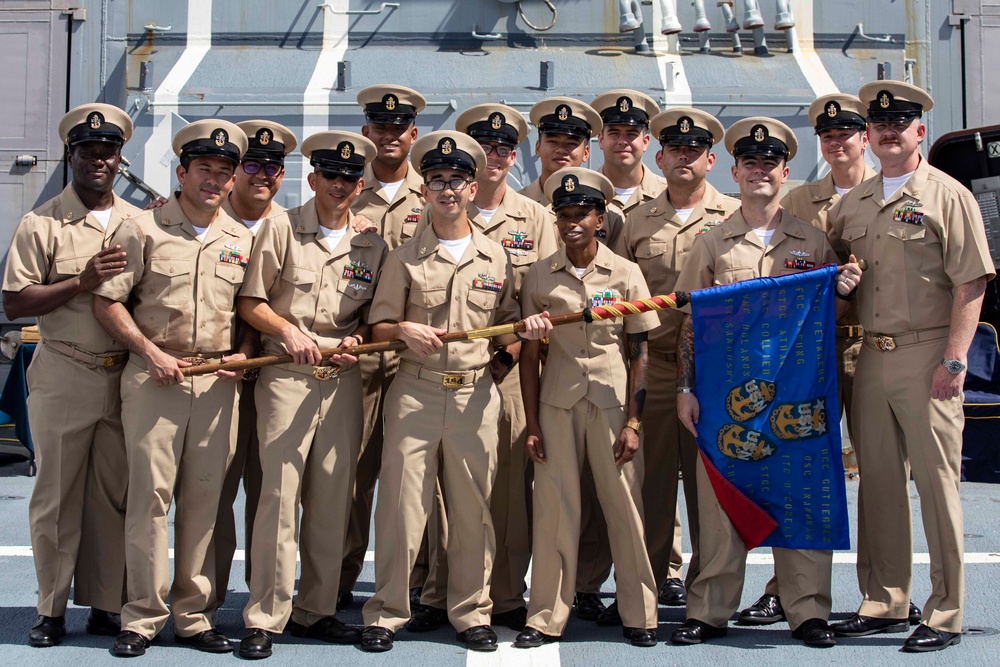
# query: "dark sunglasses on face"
{"points": [[271, 169], [502, 151], [332, 175], [456, 184]]}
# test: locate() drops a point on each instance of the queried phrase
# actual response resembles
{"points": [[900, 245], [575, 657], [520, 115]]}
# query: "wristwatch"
{"points": [[634, 424], [953, 366]]}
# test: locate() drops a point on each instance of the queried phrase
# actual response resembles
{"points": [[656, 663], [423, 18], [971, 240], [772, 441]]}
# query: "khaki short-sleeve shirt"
{"points": [[732, 252], [53, 243], [397, 218], [183, 289], [608, 234], [325, 293], [422, 283], [524, 228], [924, 241], [586, 360], [655, 238], [650, 186]]}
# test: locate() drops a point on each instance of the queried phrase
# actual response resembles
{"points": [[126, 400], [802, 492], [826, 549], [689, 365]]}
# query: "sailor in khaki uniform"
{"points": [[839, 121], [309, 286], [624, 138], [759, 239], [61, 251], [392, 199], [596, 418], [526, 231], [442, 407], [258, 179], [919, 310], [186, 262], [658, 236]]}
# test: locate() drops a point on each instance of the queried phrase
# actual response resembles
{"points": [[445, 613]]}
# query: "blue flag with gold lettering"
{"points": [[769, 428]]}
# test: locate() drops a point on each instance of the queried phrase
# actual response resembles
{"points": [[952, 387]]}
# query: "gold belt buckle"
{"points": [[453, 381], [196, 361], [112, 361], [326, 372], [884, 343], [251, 374]]}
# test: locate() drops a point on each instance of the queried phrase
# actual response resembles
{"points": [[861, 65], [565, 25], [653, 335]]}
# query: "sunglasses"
{"points": [[271, 169], [456, 184], [333, 175]]}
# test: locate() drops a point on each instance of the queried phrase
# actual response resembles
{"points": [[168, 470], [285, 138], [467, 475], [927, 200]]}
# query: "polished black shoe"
{"points": [[673, 593], [513, 619], [588, 606], [478, 638], [47, 631], [816, 633], [915, 614], [640, 636], [329, 629], [926, 638], [209, 641], [256, 644], [610, 618], [376, 639], [103, 623], [862, 626], [765, 611], [426, 619], [129, 644], [344, 599], [694, 631], [532, 638]]}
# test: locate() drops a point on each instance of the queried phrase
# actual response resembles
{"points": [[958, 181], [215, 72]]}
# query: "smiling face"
{"points": [[334, 193], [206, 182], [496, 166], [760, 176], [623, 145], [895, 141], [392, 141], [258, 188], [448, 204], [578, 226], [842, 146], [684, 165], [94, 165], [556, 151]]}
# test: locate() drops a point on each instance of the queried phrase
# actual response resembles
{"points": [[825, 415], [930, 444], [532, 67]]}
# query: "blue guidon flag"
{"points": [[769, 427]]}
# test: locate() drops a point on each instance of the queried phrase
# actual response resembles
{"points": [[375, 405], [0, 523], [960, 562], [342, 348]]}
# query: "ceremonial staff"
{"points": [[596, 314]]}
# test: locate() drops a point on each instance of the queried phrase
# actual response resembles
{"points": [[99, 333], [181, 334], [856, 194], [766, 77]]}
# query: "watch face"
{"points": [[953, 366]]}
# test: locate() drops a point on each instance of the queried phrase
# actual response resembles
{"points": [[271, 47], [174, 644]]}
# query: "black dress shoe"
{"points": [[103, 623], [610, 618], [344, 599], [816, 633], [478, 638], [376, 639], [415, 594], [588, 606], [673, 593], [129, 644], [329, 629], [47, 631], [694, 631], [513, 619], [532, 638], [926, 638], [256, 644], [640, 636], [426, 619], [862, 626], [915, 614], [765, 611], [209, 641]]}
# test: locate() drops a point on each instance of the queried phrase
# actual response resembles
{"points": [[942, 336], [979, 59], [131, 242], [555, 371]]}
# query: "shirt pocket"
{"points": [[483, 301], [301, 301], [734, 275], [228, 278], [169, 282], [656, 264], [67, 267], [352, 295], [429, 306], [916, 245], [854, 234]]}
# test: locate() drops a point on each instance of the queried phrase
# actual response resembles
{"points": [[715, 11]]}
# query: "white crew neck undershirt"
{"points": [[684, 213], [331, 237], [200, 232], [253, 225], [841, 191], [456, 247], [391, 188], [579, 271], [103, 217], [624, 194], [892, 185], [764, 235], [487, 213]]}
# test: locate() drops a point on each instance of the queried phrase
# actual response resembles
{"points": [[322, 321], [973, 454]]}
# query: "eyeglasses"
{"points": [[456, 184], [333, 175], [271, 169], [502, 151]]}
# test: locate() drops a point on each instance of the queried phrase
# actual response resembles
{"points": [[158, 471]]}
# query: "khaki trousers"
{"points": [[847, 354], [902, 431], [429, 427], [310, 437], [77, 508], [586, 432], [509, 506], [803, 574], [180, 440], [245, 467], [668, 447]]}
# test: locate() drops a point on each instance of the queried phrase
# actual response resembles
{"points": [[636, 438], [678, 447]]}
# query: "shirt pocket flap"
{"points": [[484, 299], [231, 273], [650, 248], [167, 266], [854, 232], [71, 266], [429, 298], [354, 289], [905, 232], [298, 275]]}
